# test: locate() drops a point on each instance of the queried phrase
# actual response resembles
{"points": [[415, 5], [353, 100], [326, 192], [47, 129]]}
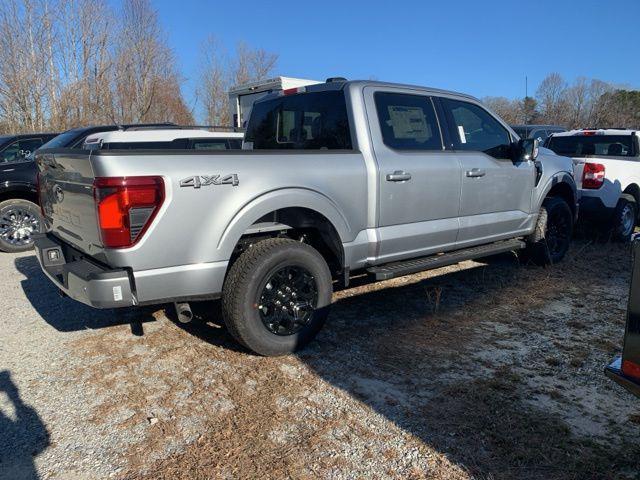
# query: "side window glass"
{"points": [[11, 153], [407, 122], [473, 128], [20, 150]]}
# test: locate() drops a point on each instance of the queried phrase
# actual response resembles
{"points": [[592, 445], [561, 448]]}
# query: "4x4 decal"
{"points": [[198, 181]]}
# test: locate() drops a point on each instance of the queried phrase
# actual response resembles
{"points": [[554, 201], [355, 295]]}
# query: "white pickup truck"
{"points": [[607, 172]]}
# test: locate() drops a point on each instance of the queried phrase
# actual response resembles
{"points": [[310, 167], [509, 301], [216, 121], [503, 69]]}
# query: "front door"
{"points": [[419, 182], [496, 190]]}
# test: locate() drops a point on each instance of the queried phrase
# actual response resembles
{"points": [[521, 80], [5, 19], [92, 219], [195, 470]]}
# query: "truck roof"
{"points": [[157, 135], [358, 84]]}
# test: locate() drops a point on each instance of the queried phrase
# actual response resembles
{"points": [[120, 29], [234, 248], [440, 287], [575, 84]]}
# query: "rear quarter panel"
{"points": [[201, 225]]}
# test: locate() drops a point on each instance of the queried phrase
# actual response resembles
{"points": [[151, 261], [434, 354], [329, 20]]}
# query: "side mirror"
{"points": [[528, 149]]}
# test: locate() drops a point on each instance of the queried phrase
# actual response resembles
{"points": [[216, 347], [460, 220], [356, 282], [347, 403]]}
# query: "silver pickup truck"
{"points": [[335, 178]]}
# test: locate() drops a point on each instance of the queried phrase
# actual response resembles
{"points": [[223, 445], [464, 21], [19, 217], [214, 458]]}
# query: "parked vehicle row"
{"points": [[334, 179]]}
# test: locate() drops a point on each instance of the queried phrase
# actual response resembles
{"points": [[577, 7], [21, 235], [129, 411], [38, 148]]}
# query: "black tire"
{"points": [[19, 219], [551, 239], [624, 218], [252, 278]]}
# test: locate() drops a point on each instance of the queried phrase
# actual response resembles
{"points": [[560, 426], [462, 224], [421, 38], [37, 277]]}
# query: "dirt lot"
{"points": [[483, 370]]}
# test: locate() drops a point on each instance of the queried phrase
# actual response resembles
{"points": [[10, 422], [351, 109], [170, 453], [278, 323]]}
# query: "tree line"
{"points": [[68, 63], [585, 103]]}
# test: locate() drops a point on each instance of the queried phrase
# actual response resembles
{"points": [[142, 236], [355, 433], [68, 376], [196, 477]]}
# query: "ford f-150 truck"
{"points": [[335, 178]]}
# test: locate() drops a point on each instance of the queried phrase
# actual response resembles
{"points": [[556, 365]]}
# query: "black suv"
{"points": [[19, 212]]}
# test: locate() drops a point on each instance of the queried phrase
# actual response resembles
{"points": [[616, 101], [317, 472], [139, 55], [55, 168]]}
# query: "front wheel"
{"points": [[19, 220], [276, 296], [550, 241]]}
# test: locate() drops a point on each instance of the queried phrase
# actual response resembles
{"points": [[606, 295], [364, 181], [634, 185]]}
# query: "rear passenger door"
{"points": [[496, 190], [418, 181]]}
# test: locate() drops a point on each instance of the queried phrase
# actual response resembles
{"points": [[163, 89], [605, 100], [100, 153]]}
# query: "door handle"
{"points": [[476, 173], [398, 176]]}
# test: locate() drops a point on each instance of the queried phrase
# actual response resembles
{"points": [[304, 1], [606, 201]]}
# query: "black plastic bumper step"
{"points": [[407, 267]]}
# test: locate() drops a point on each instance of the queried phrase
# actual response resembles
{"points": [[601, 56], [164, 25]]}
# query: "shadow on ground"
{"points": [[410, 353], [67, 315], [23, 434]]}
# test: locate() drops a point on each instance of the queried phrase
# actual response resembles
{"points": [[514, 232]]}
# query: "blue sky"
{"points": [[484, 48]]}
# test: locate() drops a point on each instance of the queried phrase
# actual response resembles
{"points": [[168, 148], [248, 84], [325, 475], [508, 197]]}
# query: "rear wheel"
{"points": [[276, 296], [624, 218], [550, 241], [19, 220]]}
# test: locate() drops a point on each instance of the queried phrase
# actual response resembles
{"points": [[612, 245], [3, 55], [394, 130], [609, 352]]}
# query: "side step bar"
{"points": [[407, 267]]}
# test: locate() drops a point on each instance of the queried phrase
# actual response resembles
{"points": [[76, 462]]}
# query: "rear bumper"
{"points": [[614, 372], [81, 279]]}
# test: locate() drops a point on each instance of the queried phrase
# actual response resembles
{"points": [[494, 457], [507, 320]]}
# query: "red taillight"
{"points": [[631, 369], [126, 207], [588, 134], [592, 175]]}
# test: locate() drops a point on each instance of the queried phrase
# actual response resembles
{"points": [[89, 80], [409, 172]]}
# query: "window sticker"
{"points": [[463, 137], [409, 122]]}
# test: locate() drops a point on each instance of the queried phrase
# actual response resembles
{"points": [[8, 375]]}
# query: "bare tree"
{"points": [[214, 83], [23, 61], [551, 96], [218, 74], [509, 110], [143, 61], [84, 61]]}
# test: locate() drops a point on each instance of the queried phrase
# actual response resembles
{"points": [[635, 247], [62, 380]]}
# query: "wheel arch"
{"points": [[290, 209], [561, 185]]}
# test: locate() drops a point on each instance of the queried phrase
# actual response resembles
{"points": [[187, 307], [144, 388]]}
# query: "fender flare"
{"points": [[277, 200], [560, 177]]}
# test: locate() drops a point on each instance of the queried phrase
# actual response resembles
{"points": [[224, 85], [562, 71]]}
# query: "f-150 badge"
{"points": [[198, 181]]}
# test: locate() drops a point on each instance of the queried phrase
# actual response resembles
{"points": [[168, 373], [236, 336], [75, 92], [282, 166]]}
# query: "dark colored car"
{"points": [[625, 370], [19, 212], [541, 132]]}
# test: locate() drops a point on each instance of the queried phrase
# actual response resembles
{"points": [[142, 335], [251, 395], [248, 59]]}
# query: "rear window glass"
{"points": [[601, 145], [408, 122], [307, 121]]}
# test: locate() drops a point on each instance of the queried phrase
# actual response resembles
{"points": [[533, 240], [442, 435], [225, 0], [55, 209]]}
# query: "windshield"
{"points": [[307, 121], [600, 145], [63, 140]]}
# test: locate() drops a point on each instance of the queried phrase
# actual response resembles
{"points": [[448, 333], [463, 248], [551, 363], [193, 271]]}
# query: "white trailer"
{"points": [[242, 97]]}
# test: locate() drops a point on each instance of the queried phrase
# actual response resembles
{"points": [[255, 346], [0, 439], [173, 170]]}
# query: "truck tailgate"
{"points": [[66, 186]]}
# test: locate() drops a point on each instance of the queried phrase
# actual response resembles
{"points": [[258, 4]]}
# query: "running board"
{"points": [[407, 267]]}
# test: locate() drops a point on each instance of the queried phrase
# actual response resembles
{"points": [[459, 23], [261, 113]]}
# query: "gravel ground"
{"points": [[482, 370]]}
